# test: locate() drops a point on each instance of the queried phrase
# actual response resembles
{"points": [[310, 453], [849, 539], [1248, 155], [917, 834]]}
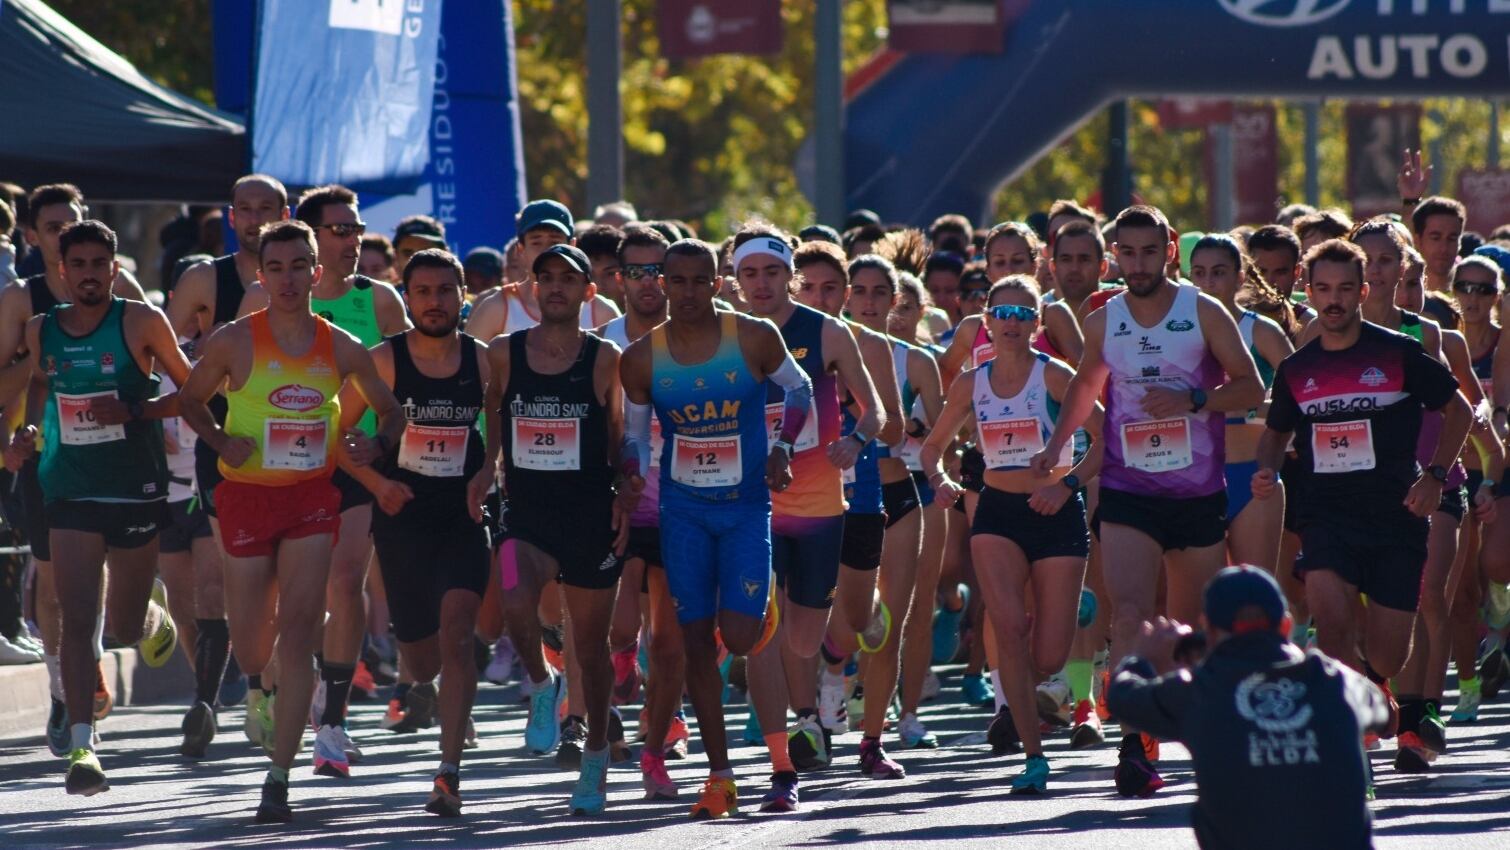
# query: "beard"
{"points": [[445, 329]]}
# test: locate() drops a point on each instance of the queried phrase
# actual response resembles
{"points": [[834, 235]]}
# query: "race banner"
{"points": [[692, 28], [1486, 193], [1375, 137]]}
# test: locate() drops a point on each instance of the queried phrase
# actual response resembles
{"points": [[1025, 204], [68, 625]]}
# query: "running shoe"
{"points": [[805, 744], [85, 776], [1150, 748], [264, 727], [1467, 709], [752, 734], [573, 740], [543, 731], [914, 735], [1099, 685], [1002, 733], [1371, 742], [363, 685], [1432, 731], [1086, 615], [233, 686], [199, 730], [1412, 755], [1135, 775], [783, 796], [59, 741], [1034, 778], [158, 647], [931, 686], [552, 645], [1392, 709], [393, 717], [719, 799], [469, 738], [317, 705], [415, 711], [875, 763], [12, 652], [974, 690], [618, 749], [1087, 727], [501, 667], [330, 756], [590, 796], [946, 629], [348, 746], [832, 713], [1494, 669], [256, 717], [855, 708], [626, 675], [445, 795], [1497, 606], [274, 806], [653, 775], [677, 737], [1053, 698], [877, 632], [103, 702]]}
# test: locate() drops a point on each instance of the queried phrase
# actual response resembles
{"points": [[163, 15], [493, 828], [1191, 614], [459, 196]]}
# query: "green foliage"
{"points": [[167, 41]]}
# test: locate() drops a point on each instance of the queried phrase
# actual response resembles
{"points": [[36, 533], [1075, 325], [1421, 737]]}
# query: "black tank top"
{"points": [[555, 431], [42, 298], [228, 290], [441, 448]]}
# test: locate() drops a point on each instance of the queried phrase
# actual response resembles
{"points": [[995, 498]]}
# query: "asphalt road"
{"points": [[956, 794]]}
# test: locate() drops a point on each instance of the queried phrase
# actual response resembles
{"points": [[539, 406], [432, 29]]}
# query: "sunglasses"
{"points": [[1013, 311], [344, 230], [1471, 288], [635, 271], [972, 294]]}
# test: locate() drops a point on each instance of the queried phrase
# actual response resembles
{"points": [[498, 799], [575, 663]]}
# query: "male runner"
{"points": [[1165, 347], [1437, 224], [1353, 399], [807, 518], [415, 233], [704, 371], [431, 531], [206, 297], [102, 470], [49, 209], [555, 391], [283, 367]]}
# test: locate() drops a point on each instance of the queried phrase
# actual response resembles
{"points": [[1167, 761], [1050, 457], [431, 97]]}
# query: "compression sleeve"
{"points": [[799, 398], [636, 437]]}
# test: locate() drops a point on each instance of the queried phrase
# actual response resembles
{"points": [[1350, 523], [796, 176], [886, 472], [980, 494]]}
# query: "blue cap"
{"points": [[545, 214], [1497, 253], [571, 254], [1235, 588], [489, 261]]}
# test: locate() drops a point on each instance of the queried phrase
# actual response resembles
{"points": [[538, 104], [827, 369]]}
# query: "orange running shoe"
{"points": [[1150, 747], [719, 799], [1101, 710], [676, 739], [362, 685], [102, 699]]}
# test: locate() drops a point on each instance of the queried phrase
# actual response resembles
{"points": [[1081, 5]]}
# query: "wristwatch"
{"points": [[1197, 400], [1071, 481], [1438, 472], [784, 446]]}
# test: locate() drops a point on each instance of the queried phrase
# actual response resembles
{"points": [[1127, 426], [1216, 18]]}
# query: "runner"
{"points": [[1164, 346], [102, 470], [1013, 248], [413, 234], [1026, 529], [278, 510], [807, 519], [206, 297], [431, 530], [555, 390], [716, 493], [1220, 268], [1353, 399], [516, 305], [1437, 224], [874, 288]]}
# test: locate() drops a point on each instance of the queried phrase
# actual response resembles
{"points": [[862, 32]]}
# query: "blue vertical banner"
{"points": [[474, 183], [343, 91]]}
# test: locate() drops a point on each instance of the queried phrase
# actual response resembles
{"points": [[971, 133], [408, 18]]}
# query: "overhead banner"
{"points": [[950, 26], [1486, 193], [692, 28], [1375, 137], [343, 91]]}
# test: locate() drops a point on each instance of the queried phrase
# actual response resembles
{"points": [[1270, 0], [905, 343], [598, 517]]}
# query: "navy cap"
{"points": [[546, 214], [1235, 588], [571, 254], [420, 227], [819, 233], [489, 261]]}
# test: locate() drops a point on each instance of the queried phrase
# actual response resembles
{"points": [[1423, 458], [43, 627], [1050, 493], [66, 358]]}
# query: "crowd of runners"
{"points": [[633, 467]]}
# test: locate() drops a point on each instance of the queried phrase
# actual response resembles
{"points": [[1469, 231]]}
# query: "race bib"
{"points": [[706, 461], [911, 453], [297, 444], [1342, 446], [806, 439], [76, 424], [982, 354], [436, 451], [1156, 445], [546, 445]]}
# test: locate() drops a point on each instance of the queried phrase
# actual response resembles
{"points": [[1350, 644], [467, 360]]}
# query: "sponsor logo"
{"points": [[1341, 405], [296, 398], [1150, 371], [1283, 13], [1179, 325], [751, 588], [732, 375], [1373, 376], [699, 383], [51, 365], [1146, 347], [1282, 714], [1122, 330], [799, 353], [107, 364], [274, 365], [666, 383], [141, 529], [1310, 385]]}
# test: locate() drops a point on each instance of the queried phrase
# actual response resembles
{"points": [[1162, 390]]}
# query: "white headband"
{"points": [[763, 245]]}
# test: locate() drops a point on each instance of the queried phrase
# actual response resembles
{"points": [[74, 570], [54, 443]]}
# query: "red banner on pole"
{"points": [[1375, 137], [1191, 113], [1255, 161], [1486, 193], [692, 28], [951, 26]]}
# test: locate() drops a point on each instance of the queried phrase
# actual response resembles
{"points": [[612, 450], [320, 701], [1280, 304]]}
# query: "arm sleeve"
{"points": [[636, 437], [1156, 705], [799, 397], [1427, 379], [1284, 413]]}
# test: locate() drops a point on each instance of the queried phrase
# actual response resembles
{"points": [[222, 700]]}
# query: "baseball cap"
{"points": [[1497, 253], [489, 261], [819, 233], [421, 228], [1236, 588], [545, 213], [571, 254], [860, 218]]}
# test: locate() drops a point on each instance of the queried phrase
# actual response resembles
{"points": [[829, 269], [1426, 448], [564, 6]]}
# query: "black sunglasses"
{"points": [[1474, 288], [343, 230], [635, 271]]}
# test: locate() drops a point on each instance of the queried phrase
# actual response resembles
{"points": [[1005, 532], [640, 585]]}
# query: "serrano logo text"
{"points": [[296, 398]]}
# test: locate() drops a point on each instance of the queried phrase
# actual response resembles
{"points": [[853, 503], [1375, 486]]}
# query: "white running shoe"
{"points": [[832, 714], [501, 667], [11, 653], [931, 686], [330, 754]]}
